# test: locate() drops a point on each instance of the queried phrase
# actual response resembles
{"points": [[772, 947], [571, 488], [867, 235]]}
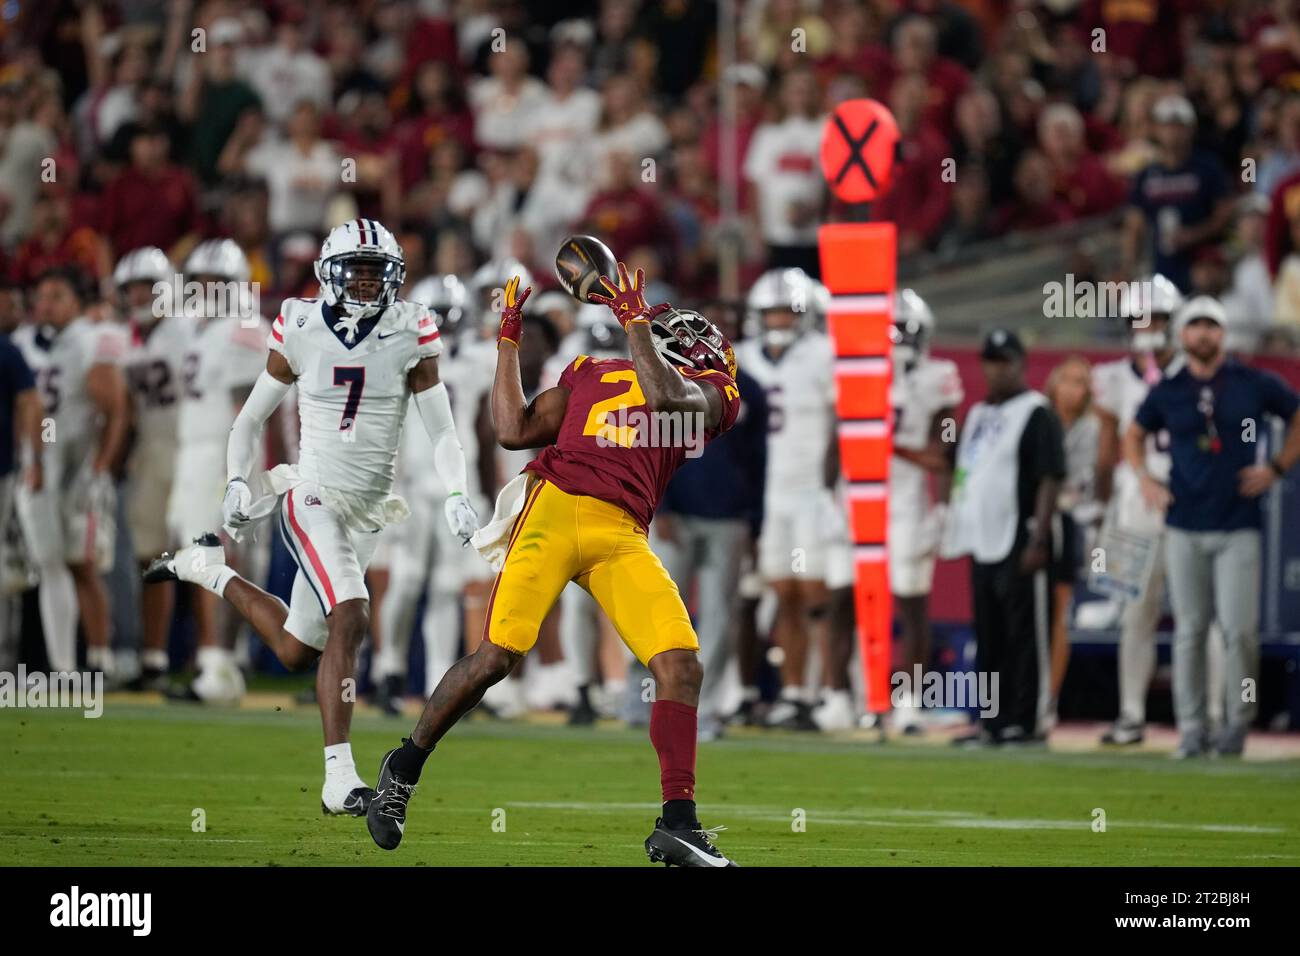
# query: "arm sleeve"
{"points": [[241, 449], [434, 407]]}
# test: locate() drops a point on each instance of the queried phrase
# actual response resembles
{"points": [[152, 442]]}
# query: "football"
{"points": [[580, 263]]}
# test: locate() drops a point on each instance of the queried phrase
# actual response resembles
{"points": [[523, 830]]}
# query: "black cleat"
{"points": [[388, 695], [386, 815], [582, 714], [162, 568], [685, 847]]}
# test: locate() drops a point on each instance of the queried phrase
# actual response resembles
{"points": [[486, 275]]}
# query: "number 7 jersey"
{"points": [[352, 396]]}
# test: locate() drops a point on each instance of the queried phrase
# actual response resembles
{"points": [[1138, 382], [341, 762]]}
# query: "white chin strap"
{"points": [[779, 338], [349, 317]]}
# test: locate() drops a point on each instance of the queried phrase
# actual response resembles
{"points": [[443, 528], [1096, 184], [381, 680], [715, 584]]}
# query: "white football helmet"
{"points": [[787, 290], [447, 300], [1153, 298], [146, 264], [219, 259], [357, 242], [913, 327], [602, 335], [490, 277]]}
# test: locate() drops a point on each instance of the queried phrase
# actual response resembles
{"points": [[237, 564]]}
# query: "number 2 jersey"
{"points": [[610, 447], [352, 397]]}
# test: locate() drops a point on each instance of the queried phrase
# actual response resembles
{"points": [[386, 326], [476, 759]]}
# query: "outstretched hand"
{"points": [[512, 313], [627, 299]]}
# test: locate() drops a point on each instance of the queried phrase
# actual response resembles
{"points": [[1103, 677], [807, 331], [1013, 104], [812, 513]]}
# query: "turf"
{"points": [[122, 790]]}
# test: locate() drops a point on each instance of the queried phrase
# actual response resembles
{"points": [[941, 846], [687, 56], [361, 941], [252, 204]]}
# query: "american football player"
{"points": [[791, 358], [223, 354], [420, 555], [157, 343], [580, 512], [925, 394], [66, 501], [358, 355]]}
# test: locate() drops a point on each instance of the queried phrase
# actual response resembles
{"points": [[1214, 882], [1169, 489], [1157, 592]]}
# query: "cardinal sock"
{"points": [[673, 730]]}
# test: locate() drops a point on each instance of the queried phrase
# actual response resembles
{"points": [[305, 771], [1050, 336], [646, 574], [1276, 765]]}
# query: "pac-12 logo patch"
{"points": [[302, 320]]}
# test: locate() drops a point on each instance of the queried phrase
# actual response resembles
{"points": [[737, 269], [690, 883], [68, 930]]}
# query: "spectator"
{"points": [[1249, 302], [920, 197], [1012, 432], [1214, 517], [521, 200], [302, 173], [25, 145], [627, 125], [982, 138], [1081, 180], [505, 102], [627, 214], [287, 73], [55, 241], [1179, 202], [152, 202], [1069, 390], [915, 49], [1283, 158], [439, 114], [566, 117], [781, 167], [215, 98], [1035, 205]]}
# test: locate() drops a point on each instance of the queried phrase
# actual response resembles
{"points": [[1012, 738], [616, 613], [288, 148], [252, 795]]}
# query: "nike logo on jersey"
{"points": [[387, 335]]}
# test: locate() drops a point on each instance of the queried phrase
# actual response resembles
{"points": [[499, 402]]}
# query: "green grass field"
{"points": [[121, 790]]}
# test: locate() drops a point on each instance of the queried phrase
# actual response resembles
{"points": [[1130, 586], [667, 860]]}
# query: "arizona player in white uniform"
{"points": [[157, 343], [1118, 388], [358, 355], [793, 361], [224, 353], [65, 503], [421, 555], [925, 394]]}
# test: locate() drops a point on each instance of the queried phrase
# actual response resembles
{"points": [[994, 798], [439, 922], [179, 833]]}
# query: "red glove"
{"points": [[626, 300], [512, 315]]}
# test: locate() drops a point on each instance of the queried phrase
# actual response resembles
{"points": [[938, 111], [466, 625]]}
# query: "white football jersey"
{"points": [[467, 368], [917, 396], [153, 364], [1118, 388], [60, 362], [352, 399], [223, 356], [800, 389]]}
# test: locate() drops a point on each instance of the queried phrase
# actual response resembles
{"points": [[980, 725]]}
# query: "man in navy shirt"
{"points": [[1180, 202], [1214, 412], [19, 414]]}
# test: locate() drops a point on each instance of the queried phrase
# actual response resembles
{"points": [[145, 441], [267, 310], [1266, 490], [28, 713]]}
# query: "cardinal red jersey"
{"points": [[611, 447]]}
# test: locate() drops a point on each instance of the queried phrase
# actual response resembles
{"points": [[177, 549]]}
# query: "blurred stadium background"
{"points": [[685, 134]]}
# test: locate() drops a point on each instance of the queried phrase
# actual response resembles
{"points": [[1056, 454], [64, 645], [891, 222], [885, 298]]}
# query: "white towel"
{"points": [[491, 539]]}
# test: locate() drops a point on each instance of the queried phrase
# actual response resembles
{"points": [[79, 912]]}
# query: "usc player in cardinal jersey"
{"points": [[582, 515]]}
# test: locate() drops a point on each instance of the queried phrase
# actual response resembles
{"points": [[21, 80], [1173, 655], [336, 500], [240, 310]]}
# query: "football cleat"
{"points": [[388, 695], [685, 847], [386, 814], [345, 798], [791, 715], [204, 552], [835, 711], [1123, 734]]}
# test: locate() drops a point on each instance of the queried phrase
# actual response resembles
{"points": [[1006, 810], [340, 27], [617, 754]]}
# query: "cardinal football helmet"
{"points": [[685, 337]]}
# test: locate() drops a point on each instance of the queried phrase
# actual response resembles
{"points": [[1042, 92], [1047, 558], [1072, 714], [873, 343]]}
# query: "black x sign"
{"points": [[856, 146]]}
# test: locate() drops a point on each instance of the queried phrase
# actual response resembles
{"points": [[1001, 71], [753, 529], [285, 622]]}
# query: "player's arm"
{"points": [[520, 423], [106, 388], [934, 456], [28, 413], [1108, 452], [434, 405], [665, 388], [246, 436], [488, 477], [1156, 495]]}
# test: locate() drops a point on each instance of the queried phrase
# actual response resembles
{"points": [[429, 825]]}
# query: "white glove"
{"points": [[236, 506], [100, 493], [461, 517]]}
